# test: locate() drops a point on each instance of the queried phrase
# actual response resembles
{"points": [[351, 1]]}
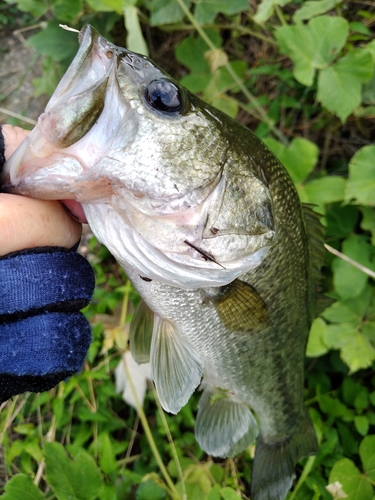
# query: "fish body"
{"points": [[208, 226]]}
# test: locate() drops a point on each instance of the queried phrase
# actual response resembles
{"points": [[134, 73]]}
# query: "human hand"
{"points": [[29, 223]]}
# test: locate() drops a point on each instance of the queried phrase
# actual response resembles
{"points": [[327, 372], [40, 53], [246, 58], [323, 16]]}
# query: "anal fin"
{"points": [[274, 462], [224, 427], [141, 328], [176, 368]]}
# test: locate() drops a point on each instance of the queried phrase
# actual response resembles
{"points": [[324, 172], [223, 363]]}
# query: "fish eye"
{"points": [[164, 95]]}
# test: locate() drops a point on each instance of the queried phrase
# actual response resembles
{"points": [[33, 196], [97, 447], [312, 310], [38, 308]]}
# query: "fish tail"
{"points": [[224, 427], [274, 462]]}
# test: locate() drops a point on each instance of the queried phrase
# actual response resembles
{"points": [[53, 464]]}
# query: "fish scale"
{"points": [[208, 226]]}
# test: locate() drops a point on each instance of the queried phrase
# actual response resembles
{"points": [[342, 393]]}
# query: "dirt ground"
{"points": [[19, 65]]}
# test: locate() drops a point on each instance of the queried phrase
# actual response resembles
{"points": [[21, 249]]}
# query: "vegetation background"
{"points": [[300, 74]]}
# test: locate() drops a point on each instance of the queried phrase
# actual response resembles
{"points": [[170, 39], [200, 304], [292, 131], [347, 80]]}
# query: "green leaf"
{"points": [[55, 42], [312, 46], [33, 449], [367, 454], [357, 352], [80, 479], [149, 490], [214, 494], [361, 424], [34, 7], [107, 460], [174, 470], [265, 9], [67, 10], [355, 349], [339, 86], [368, 222], [361, 400], [368, 92], [207, 10], [371, 48], [113, 5], [322, 191], [361, 183], [191, 50], [227, 105], [217, 472], [314, 8], [350, 390], [221, 80], [336, 335], [341, 220], [21, 486], [360, 28], [196, 83], [134, 37], [299, 158], [332, 406], [99, 6], [229, 494], [349, 310], [315, 345], [350, 281], [354, 484], [166, 12], [108, 492], [16, 449]]}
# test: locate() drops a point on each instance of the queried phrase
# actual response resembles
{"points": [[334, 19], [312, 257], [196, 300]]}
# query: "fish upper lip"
{"points": [[100, 67]]}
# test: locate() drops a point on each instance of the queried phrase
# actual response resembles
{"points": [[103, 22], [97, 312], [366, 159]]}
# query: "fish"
{"points": [[209, 228]]}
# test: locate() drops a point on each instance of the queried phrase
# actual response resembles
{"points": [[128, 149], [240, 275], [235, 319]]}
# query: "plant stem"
{"points": [[239, 27], [173, 492], [18, 116], [306, 471], [347, 259], [170, 439]]}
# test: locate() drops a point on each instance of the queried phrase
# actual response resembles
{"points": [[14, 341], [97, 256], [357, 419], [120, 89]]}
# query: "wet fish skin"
{"points": [[234, 315]]}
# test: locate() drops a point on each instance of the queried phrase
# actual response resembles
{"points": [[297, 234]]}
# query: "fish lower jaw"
{"points": [[75, 210]]}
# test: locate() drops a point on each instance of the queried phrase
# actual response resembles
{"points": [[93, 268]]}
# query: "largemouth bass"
{"points": [[209, 228]]}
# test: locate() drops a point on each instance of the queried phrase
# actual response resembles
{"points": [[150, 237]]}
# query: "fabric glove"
{"points": [[43, 336]]}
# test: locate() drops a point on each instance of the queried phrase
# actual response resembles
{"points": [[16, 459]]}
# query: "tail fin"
{"points": [[224, 427], [273, 467]]}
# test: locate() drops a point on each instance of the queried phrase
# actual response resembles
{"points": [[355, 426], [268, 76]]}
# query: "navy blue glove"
{"points": [[43, 336]]}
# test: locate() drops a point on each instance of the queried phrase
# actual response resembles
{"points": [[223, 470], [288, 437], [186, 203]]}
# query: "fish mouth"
{"points": [[52, 162], [75, 210]]}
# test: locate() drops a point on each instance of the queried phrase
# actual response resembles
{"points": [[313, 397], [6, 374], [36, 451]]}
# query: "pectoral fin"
{"points": [[240, 307], [176, 367], [141, 328], [224, 427]]}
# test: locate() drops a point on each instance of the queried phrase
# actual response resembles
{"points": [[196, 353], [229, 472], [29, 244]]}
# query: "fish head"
{"points": [[149, 163]]}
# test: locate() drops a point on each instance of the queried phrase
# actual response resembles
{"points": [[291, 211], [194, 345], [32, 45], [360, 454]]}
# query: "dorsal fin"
{"points": [[315, 232], [141, 328], [240, 307], [176, 368]]}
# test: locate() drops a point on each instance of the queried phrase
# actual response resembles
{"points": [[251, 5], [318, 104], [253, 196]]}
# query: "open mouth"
{"points": [[75, 210]]}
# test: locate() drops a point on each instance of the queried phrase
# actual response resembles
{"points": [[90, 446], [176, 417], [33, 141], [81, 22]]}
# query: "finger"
{"points": [[13, 136], [29, 223]]}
